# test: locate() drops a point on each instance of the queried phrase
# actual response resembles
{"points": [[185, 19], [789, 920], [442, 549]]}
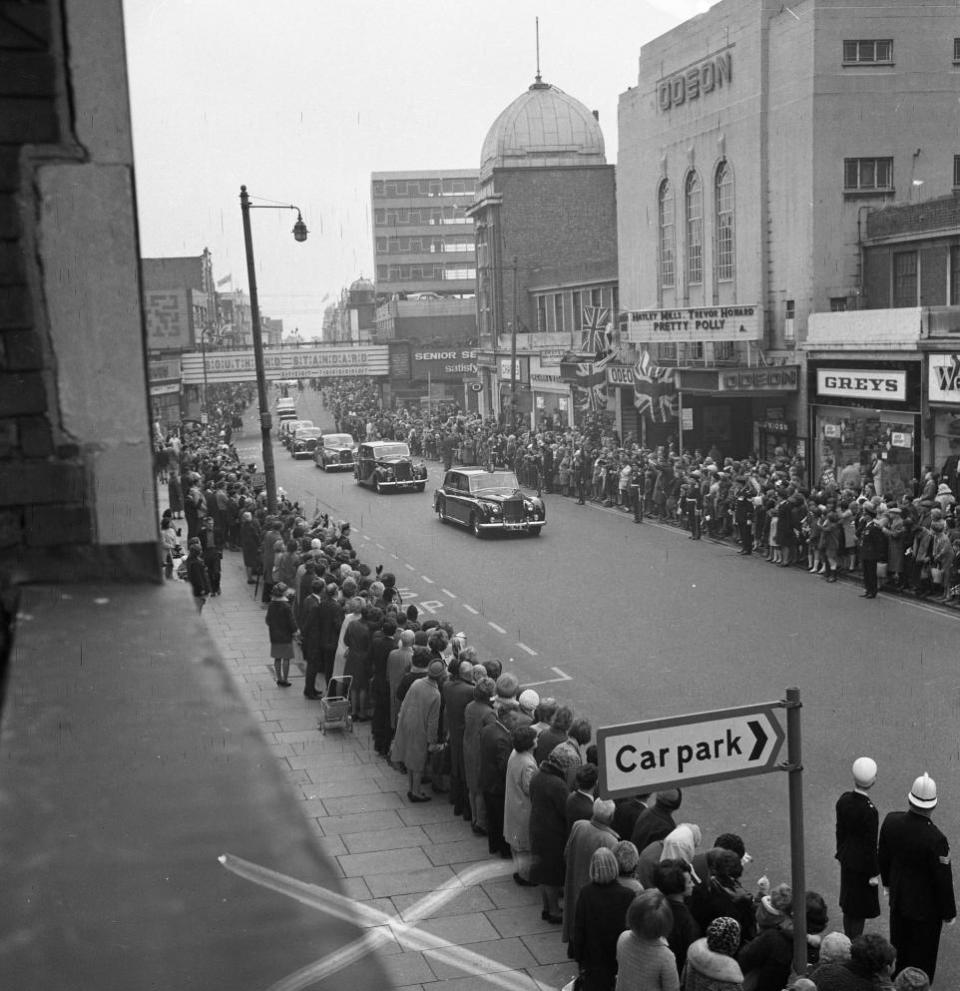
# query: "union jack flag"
{"points": [[590, 391], [655, 390], [593, 338]]}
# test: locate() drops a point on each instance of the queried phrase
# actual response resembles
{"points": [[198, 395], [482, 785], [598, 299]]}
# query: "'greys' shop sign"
{"points": [[862, 383], [703, 323], [444, 364], [699, 80]]}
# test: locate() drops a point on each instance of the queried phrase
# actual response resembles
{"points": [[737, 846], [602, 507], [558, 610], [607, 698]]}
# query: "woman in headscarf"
{"points": [[679, 844], [711, 963], [548, 833], [599, 919]]}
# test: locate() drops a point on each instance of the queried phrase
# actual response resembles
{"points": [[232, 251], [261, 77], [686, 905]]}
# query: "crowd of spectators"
{"points": [[909, 537], [641, 901]]}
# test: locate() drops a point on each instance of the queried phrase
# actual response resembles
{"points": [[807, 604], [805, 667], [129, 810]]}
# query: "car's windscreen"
{"points": [[494, 480], [392, 451], [338, 440]]}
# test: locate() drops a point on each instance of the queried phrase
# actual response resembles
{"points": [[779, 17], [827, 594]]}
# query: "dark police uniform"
{"points": [[857, 824], [915, 866]]}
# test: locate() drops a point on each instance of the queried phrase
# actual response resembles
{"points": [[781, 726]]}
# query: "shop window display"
{"points": [[882, 443]]}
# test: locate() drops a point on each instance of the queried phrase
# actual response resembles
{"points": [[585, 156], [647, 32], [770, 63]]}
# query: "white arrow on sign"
{"points": [[685, 750]]}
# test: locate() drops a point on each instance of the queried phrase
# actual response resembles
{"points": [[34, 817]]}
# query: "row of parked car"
{"points": [[478, 498]]}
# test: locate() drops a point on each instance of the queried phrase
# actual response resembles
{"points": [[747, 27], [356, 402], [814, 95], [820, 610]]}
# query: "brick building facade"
{"points": [[76, 480]]}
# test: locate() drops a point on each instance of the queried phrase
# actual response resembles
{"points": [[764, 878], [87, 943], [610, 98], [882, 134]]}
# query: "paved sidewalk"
{"points": [[390, 853]]}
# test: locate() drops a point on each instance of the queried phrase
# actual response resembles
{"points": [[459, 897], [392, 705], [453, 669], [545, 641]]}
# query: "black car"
{"points": [[386, 465], [335, 452], [486, 501], [304, 441]]}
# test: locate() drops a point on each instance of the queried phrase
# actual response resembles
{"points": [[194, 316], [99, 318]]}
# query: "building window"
{"points": [[381, 245], [378, 188], [596, 297], [956, 171], [379, 217], [905, 278], [693, 210], [955, 276], [459, 273], [867, 174], [838, 304], [868, 52], [723, 195], [558, 313], [789, 312], [665, 223], [383, 273], [577, 311], [541, 314]]}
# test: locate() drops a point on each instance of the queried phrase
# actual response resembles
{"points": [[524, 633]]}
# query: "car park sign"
{"points": [[684, 750]]}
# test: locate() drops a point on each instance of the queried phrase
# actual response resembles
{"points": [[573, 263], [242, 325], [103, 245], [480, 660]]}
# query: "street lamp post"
{"points": [[299, 234]]}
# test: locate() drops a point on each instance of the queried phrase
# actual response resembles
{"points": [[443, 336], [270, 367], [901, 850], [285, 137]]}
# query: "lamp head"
{"points": [[299, 229]]}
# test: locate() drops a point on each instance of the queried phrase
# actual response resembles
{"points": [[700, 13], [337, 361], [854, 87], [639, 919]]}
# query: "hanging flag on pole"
{"points": [[655, 390], [225, 280]]}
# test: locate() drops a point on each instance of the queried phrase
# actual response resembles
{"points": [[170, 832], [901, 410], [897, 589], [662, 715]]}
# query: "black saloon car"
{"points": [[335, 452], [386, 465], [486, 501], [303, 441]]}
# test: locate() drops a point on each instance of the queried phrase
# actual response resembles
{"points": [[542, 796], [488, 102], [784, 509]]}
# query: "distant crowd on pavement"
{"points": [[643, 900]]}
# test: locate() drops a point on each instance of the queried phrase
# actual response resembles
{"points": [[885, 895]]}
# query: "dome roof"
{"points": [[542, 127], [362, 285]]}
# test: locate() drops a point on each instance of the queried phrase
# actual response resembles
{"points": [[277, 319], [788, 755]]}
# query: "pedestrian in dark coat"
{"points": [[656, 822], [310, 637], [457, 695], [384, 642], [722, 895], [197, 576], [548, 832], [330, 621], [858, 823], [586, 835], [496, 744], [915, 870], [675, 879], [873, 547], [599, 918], [250, 538], [282, 625], [868, 969]]}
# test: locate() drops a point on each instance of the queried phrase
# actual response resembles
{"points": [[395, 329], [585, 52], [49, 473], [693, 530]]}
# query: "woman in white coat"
{"points": [[521, 767]]}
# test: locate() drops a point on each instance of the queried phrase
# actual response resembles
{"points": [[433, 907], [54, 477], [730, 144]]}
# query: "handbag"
{"points": [[936, 576]]}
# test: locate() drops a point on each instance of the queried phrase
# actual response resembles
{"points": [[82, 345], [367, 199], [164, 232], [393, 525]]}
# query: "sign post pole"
{"points": [[797, 871]]}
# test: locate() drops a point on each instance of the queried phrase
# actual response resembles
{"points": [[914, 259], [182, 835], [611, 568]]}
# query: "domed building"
{"points": [[546, 236], [542, 127]]}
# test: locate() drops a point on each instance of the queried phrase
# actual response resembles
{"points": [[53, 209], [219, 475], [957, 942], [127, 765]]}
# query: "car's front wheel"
{"points": [[421, 487], [535, 531]]}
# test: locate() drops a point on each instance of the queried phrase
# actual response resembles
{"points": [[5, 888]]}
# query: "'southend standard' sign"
{"points": [[684, 750]]}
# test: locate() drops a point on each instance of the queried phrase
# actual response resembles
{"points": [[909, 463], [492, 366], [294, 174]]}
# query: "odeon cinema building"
{"points": [[757, 142]]}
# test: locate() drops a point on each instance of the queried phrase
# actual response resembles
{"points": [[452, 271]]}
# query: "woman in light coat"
{"points": [[521, 767]]}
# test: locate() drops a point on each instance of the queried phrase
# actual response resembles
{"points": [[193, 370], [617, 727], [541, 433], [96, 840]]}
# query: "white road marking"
{"points": [[410, 567], [476, 612], [549, 681], [529, 650], [364, 536], [447, 591], [429, 581], [499, 629], [381, 547], [382, 927]]}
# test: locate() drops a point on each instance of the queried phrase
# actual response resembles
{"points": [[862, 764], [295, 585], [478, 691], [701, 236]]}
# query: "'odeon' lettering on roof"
{"points": [[692, 83]]}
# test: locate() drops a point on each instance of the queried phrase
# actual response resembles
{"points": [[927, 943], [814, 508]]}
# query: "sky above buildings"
{"points": [[302, 99]]}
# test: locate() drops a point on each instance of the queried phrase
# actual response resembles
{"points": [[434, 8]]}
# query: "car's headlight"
{"points": [[494, 509]]}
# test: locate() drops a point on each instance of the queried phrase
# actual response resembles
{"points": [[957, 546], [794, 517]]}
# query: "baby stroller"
{"points": [[335, 708]]}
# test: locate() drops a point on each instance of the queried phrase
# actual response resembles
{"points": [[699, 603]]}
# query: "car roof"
{"points": [[470, 470]]}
